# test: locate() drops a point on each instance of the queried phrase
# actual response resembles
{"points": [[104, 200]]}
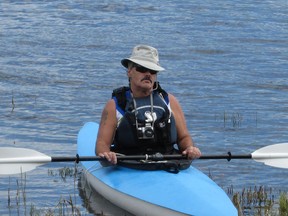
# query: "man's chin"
{"points": [[147, 86]]}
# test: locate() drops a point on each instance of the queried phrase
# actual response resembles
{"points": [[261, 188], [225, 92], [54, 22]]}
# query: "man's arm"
{"points": [[106, 132], [184, 139]]}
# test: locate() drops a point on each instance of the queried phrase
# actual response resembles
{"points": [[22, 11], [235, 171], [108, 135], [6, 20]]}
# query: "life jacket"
{"points": [[135, 134]]}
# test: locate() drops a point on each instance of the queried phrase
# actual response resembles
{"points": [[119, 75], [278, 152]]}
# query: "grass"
{"points": [[255, 201], [260, 201], [283, 205], [13, 102], [64, 172], [252, 201], [63, 207], [236, 120]]}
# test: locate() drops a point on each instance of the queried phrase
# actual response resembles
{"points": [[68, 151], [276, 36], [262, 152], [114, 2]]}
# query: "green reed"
{"points": [[254, 201], [236, 119], [63, 207], [283, 205], [259, 201]]}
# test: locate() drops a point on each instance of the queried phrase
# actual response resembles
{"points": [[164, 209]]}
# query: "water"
{"points": [[226, 63]]}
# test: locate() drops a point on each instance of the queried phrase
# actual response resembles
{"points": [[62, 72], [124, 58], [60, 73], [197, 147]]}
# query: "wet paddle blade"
{"points": [[273, 155], [20, 160]]}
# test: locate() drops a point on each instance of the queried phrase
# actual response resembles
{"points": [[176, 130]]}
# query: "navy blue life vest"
{"points": [[143, 138]]}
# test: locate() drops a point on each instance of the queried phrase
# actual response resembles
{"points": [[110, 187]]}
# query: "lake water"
{"points": [[226, 62]]}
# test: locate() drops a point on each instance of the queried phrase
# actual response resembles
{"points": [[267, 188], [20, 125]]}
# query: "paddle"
{"points": [[17, 160]]}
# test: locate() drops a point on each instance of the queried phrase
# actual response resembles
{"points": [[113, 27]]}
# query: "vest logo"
{"points": [[150, 117]]}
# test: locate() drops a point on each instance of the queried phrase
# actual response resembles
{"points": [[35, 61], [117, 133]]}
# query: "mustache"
{"points": [[147, 78]]}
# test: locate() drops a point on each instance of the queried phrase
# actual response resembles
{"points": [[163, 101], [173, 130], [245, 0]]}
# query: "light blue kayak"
{"points": [[190, 192]]}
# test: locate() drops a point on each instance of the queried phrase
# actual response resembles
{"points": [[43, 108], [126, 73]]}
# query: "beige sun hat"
{"points": [[145, 56]]}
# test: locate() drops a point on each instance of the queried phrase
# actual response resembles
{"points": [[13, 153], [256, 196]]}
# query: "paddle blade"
{"points": [[20, 160], [273, 155]]}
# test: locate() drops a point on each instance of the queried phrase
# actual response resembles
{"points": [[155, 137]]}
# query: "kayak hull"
{"points": [[190, 192]]}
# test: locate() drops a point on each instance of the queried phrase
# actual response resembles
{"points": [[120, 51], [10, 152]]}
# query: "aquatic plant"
{"points": [[236, 120], [256, 201], [283, 205], [13, 102], [62, 208], [63, 172], [259, 201]]}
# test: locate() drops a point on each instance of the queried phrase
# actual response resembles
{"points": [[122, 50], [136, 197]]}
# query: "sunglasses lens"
{"points": [[153, 72], [142, 69]]}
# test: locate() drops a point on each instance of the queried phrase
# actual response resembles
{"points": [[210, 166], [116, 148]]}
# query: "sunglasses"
{"points": [[142, 69]]}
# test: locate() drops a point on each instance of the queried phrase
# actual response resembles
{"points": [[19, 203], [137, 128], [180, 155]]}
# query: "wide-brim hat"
{"points": [[145, 56]]}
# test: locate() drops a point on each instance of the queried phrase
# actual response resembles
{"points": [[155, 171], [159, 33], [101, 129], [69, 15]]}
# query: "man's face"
{"points": [[141, 77]]}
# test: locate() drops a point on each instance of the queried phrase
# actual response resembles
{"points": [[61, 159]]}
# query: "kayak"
{"points": [[142, 192]]}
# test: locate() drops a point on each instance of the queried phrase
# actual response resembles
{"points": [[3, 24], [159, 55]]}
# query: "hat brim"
{"points": [[149, 65]]}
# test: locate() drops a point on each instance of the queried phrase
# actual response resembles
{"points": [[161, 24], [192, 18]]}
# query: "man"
{"points": [[143, 118]]}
